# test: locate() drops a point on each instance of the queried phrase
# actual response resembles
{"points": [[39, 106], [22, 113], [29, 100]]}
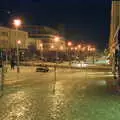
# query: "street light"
{"points": [[71, 48], [76, 48], [52, 46], [79, 50], [83, 49], [56, 39], [76, 52], [18, 42], [79, 46], [17, 23], [18, 56], [41, 50], [88, 47], [69, 44], [92, 50], [61, 47]]}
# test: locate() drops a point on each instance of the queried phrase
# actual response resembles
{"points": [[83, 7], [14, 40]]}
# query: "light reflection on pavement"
{"points": [[77, 96]]}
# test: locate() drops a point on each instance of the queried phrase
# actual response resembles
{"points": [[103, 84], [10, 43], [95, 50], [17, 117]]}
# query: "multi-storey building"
{"points": [[49, 38], [33, 41], [9, 38], [46, 35], [115, 23]]}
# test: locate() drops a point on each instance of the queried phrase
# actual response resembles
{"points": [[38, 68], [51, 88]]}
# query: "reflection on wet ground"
{"points": [[73, 96]]}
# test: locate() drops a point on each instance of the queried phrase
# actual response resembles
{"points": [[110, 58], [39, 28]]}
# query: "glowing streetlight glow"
{"points": [[88, 47], [19, 42], [79, 46], [56, 39], [52, 46], [83, 49], [17, 22], [93, 49], [41, 50], [75, 48], [61, 48], [72, 48], [41, 45], [69, 43]]}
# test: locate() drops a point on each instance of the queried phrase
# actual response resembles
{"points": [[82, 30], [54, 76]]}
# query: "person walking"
{"points": [[12, 64]]}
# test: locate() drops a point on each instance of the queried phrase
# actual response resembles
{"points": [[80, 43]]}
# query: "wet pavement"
{"points": [[74, 95]]}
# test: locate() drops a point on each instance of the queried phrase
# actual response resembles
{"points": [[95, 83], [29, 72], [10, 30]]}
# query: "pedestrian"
{"points": [[12, 64], [0, 63]]}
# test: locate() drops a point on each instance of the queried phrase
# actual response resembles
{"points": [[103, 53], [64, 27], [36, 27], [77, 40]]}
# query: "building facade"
{"points": [[115, 23], [34, 41], [4, 37], [9, 38], [47, 37]]}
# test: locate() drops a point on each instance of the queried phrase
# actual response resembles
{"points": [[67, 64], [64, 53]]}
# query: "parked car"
{"points": [[79, 64], [42, 69]]}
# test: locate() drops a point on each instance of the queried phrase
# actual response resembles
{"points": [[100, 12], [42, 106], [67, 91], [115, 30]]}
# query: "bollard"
{"points": [[54, 83]]}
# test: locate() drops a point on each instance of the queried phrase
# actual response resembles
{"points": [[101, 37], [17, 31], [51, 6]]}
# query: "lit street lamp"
{"points": [[75, 48], [17, 23], [61, 48], [52, 46], [69, 43], [18, 56], [92, 50], [41, 50], [76, 52], [69, 51], [79, 50], [79, 46], [56, 39]]}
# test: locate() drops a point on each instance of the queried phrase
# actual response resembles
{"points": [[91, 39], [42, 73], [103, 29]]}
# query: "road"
{"points": [[66, 65], [74, 95]]}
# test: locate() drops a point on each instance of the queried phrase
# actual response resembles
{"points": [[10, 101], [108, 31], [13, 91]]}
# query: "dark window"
{"points": [[4, 34]]}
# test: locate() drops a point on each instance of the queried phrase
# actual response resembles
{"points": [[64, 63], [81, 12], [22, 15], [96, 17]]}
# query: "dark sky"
{"points": [[86, 20]]}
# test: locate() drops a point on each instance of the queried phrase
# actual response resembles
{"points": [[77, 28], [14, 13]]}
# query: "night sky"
{"points": [[83, 20]]}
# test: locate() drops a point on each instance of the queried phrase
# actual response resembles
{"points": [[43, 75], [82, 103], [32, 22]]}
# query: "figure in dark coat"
{"points": [[12, 64]]}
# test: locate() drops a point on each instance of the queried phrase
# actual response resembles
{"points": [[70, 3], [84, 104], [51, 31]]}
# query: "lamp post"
{"points": [[56, 39], [61, 47], [88, 52], [41, 50], [92, 50], [18, 56], [79, 50], [76, 52], [17, 23], [69, 51]]}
